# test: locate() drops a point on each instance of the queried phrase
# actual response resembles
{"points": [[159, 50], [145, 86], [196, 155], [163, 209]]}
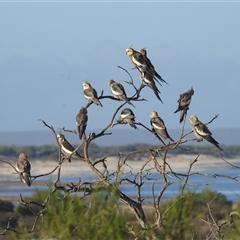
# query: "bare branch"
{"points": [[10, 165], [216, 116], [189, 170], [45, 174], [233, 213], [8, 227], [67, 130], [212, 218]]}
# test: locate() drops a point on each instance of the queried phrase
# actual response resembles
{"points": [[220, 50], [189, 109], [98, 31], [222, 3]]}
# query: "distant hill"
{"points": [[230, 136]]}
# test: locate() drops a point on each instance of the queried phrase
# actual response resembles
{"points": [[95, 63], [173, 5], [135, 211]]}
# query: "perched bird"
{"points": [[91, 94], [158, 125], [143, 51], [127, 117], [143, 63], [24, 167], [138, 59], [66, 147], [81, 121], [184, 102], [147, 80], [201, 131], [118, 91]]}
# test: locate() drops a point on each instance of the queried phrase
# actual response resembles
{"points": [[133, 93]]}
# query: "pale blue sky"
{"points": [[49, 49]]}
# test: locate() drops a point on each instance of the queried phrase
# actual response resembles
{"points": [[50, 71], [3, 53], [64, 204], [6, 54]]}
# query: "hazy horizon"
{"points": [[225, 136]]}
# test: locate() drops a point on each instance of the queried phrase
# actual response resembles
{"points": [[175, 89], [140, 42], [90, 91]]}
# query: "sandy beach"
{"points": [[11, 187], [178, 163]]}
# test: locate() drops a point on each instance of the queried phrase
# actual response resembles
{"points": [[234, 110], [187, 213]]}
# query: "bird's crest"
{"points": [[111, 81], [193, 118], [192, 90], [85, 82], [153, 113], [23, 156], [60, 135], [129, 50]]}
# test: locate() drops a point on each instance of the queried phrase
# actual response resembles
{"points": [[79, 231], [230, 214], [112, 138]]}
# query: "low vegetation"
{"points": [[101, 216], [51, 151]]}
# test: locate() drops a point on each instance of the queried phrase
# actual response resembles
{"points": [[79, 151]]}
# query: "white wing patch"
{"points": [[18, 169], [87, 97], [66, 150], [116, 92], [146, 80], [157, 126], [201, 133], [136, 62], [125, 115]]}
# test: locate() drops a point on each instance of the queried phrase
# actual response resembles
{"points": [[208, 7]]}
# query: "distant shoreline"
{"points": [[77, 168], [178, 163], [225, 136]]}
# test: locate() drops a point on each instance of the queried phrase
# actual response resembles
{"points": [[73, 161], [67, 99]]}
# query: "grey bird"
{"points": [[81, 121], [184, 102], [201, 131], [67, 148], [147, 80], [158, 125], [24, 167], [91, 94], [143, 51], [118, 91], [127, 117], [143, 63]]}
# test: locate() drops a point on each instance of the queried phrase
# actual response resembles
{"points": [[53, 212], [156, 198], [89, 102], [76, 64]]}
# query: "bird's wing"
{"points": [[202, 130], [157, 123], [118, 89], [88, 93], [138, 59]]}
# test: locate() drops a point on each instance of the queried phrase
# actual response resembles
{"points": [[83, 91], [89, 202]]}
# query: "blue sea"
{"points": [[221, 183]]}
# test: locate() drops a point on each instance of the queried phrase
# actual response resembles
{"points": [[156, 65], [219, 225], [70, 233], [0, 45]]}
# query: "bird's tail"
{"points": [[214, 142], [25, 178], [99, 103], [182, 115], [158, 97], [177, 110], [132, 124], [80, 132], [160, 78]]}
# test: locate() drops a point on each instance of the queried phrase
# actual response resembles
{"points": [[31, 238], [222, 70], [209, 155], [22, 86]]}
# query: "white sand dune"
{"points": [[178, 163]]}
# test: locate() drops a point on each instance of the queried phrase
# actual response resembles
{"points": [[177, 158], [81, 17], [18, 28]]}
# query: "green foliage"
{"points": [[6, 206], [95, 151], [184, 214], [7, 150], [235, 226], [39, 197], [96, 217], [99, 216], [6, 215], [219, 212], [29, 150], [177, 222]]}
